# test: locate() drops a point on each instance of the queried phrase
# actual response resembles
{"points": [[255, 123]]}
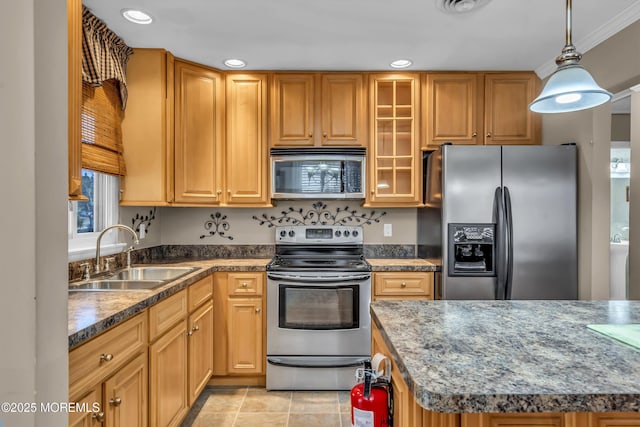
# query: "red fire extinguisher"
{"points": [[372, 399]]}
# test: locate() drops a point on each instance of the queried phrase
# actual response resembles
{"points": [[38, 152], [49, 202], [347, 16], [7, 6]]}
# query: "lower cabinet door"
{"points": [[246, 354], [88, 418], [200, 350], [125, 395], [168, 378]]}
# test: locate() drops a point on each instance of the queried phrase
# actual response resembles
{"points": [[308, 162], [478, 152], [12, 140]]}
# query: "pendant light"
{"points": [[570, 87]]}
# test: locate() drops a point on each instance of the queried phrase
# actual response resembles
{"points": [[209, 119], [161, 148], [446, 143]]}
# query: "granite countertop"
{"points": [[512, 356], [404, 264], [92, 312]]}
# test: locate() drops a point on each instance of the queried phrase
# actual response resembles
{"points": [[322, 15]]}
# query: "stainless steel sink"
{"points": [[117, 285], [162, 273], [133, 279]]}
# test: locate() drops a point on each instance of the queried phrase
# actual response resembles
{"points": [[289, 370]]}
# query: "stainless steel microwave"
{"points": [[318, 173]]}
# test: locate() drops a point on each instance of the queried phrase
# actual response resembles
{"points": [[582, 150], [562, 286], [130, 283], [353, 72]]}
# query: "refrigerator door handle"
{"points": [[501, 249], [509, 248]]}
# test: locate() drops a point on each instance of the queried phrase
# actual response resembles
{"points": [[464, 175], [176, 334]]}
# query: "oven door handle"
{"points": [[309, 362], [318, 279]]}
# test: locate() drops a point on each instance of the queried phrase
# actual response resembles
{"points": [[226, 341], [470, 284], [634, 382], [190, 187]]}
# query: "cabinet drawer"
{"points": [[92, 362], [245, 284], [200, 292], [167, 313], [399, 284]]}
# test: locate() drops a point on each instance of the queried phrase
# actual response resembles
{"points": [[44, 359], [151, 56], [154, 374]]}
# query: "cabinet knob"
{"points": [[474, 134], [219, 192], [108, 357], [324, 134], [258, 310], [115, 401], [98, 416], [488, 134], [403, 284], [190, 332], [195, 328], [372, 191], [310, 134], [245, 284]]}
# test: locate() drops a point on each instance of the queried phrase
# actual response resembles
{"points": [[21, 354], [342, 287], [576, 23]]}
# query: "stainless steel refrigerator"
{"points": [[503, 219]]}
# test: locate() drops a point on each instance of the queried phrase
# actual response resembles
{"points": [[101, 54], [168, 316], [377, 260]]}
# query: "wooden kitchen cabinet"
{"points": [[239, 324], [507, 118], [147, 129], [480, 108], [74, 101], [200, 349], [394, 159], [246, 152], [314, 109], [199, 121], [403, 285], [111, 370]]}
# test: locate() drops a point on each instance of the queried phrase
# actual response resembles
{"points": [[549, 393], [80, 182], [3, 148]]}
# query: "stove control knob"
{"points": [[346, 233], [292, 233], [355, 233], [338, 233], [283, 233]]}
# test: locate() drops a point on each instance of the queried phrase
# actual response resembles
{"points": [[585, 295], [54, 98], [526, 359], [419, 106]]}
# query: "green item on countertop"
{"points": [[628, 334]]}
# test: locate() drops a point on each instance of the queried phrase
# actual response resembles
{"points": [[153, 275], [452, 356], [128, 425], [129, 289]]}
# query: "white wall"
{"points": [[33, 169]]}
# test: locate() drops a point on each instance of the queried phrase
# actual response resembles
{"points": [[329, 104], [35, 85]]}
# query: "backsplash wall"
{"points": [[246, 226]]}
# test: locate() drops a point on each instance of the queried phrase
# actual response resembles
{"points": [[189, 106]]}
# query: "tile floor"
{"points": [[253, 406]]}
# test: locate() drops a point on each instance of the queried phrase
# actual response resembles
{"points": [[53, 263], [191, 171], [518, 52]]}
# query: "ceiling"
{"points": [[367, 34]]}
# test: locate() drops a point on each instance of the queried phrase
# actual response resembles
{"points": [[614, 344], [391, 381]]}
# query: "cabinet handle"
{"points": [[108, 357], [488, 134], [245, 284], [258, 310], [115, 402], [474, 134], [98, 416], [403, 284]]}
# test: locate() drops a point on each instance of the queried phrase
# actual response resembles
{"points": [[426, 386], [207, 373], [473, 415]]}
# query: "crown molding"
{"points": [[616, 24]]}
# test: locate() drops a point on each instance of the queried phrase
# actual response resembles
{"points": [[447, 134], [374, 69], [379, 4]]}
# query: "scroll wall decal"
{"points": [[217, 225], [140, 219], [319, 214]]}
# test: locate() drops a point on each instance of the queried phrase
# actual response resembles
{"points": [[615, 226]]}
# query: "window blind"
{"points": [[101, 128]]}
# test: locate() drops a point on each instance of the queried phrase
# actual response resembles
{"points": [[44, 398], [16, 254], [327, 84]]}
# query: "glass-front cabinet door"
{"points": [[394, 150]]}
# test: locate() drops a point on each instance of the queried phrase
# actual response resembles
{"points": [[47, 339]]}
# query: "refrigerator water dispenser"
{"points": [[472, 250]]}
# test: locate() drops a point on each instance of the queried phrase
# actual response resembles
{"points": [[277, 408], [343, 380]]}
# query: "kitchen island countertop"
{"points": [[512, 356]]}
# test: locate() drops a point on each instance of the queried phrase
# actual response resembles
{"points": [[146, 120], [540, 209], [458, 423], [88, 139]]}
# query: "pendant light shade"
{"points": [[570, 87]]}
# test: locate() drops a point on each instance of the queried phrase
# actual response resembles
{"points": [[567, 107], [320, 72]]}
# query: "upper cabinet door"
{"points": [[74, 56], [246, 152], [508, 119], [453, 107], [199, 103], [292, 110], [343, 110]]}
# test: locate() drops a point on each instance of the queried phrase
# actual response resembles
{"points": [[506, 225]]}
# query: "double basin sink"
{"points": [[133, 279]]}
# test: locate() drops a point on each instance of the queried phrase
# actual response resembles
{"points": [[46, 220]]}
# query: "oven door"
{"points": [[318, 314]]}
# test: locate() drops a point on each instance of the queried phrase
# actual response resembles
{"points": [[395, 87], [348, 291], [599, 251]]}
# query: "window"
{"points": [[88, 218]]}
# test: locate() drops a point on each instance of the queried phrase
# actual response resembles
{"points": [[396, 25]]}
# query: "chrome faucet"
{"points": [[123, 227]]}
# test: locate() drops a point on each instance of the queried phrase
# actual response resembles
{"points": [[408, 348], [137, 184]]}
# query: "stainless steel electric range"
{"points": [[318, 295]]}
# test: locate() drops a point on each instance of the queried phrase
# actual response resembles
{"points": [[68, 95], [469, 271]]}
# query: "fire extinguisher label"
{"points": [[362, 418]]}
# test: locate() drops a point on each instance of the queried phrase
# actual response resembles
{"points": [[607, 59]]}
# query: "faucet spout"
{"points": [[112, 227]]}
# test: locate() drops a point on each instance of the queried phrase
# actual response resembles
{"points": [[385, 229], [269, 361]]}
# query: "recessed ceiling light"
{"points": [[401, 63], [136, 16], [235, 63]]}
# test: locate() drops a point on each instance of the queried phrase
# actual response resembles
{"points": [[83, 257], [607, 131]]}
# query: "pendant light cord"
{"points": [[569, 23]]}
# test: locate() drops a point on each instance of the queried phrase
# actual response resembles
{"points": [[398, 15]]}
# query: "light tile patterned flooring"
{"points": [[253, 406]]}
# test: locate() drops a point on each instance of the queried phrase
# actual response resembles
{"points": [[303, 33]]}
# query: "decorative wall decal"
{"points": [[319, 214], [221, 225], [138, 220]]}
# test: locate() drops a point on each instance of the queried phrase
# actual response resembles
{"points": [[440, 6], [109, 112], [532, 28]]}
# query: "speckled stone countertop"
{"points": [[93, 312], [404, 264], [512, 356]]}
